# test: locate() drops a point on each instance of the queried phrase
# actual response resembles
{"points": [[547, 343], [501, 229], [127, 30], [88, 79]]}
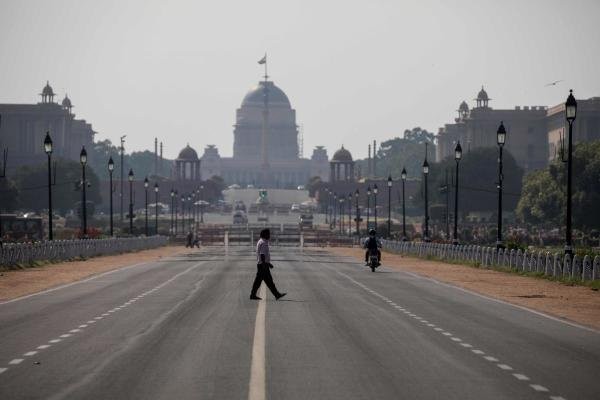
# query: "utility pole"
{"points": [[122, 149]]}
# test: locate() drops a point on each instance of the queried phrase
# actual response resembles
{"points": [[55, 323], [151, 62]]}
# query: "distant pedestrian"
{"points": [[189, 239], [263, 273]]}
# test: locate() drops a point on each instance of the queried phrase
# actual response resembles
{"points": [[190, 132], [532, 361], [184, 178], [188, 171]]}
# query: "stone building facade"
{"points": [[24, 126], [533, 133]]}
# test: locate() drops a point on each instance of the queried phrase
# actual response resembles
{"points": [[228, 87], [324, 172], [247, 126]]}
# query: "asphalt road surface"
{"points": [[184, 328]]}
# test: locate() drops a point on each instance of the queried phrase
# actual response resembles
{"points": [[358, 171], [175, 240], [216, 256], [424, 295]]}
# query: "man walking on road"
{"points": [[263, 259]]}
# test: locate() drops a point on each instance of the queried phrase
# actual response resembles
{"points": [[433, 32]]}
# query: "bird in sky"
{"points": [[553, 83]]}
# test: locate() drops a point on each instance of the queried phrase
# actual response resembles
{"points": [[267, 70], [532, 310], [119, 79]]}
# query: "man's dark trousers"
{"points": [[263, 274]]}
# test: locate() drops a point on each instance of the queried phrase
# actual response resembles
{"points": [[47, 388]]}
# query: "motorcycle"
{"points": [[373, 261]]}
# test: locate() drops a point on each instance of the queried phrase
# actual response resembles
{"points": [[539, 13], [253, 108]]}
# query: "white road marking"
{"points": [[438, 329], [521, 377], [75, 330], [66, 335], [3, 369], [539, 388], [55, 341], [91, 322], [557, 398], [476, 351], [467, 345], [446, 333], [44, 346], [98, 318], [505, 367], [492, 359], [456, 339], [16, 361], [30, 353], [257, 387], [82, 326]]}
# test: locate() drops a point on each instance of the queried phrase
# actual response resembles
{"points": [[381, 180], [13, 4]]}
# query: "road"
{"points": [[184, 328]]}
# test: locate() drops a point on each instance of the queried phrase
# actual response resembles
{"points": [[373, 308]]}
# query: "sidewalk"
{"points": [[578, 304], [17, 283]]}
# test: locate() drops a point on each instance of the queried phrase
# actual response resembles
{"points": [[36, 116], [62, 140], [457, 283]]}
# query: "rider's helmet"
{"points": [[372, 232]]}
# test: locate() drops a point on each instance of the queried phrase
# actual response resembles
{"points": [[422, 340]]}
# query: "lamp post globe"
{"points": [[570, 114], [501, 134], [48, 143]]}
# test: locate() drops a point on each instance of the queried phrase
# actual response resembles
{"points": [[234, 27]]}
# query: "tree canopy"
{"points": [[544, 192], [478, 177]]}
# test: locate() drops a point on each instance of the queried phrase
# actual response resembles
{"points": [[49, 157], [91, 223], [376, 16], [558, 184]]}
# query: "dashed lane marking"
{"points": [[30, 353], [15, 361], [3, 370], [504, 367]]}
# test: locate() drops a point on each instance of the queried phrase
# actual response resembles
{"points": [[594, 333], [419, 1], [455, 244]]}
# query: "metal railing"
{"points": [[546, 263], [60, 250]]}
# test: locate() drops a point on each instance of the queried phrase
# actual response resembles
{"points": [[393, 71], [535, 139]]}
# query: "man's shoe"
{"points": [[280, 296], [254, 297]]}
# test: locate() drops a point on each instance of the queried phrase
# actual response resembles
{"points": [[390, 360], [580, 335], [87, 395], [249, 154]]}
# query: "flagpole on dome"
{"points": [[264, 61]]}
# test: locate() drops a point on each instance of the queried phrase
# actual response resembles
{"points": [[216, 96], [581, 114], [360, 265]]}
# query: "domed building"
{"points": [[266, 150], [342, 166], [187, 165]]}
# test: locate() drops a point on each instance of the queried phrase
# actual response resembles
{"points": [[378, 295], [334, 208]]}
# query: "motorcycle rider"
{"points": [[372, 244]]}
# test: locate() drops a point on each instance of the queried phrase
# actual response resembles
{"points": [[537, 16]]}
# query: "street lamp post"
{"points": [[183, 213], [48, 150], [570, 114], [172, 210], [375, 190], [334, 210], [83, 160], [349, 214], [156, 208], [122, 150], [501, 139], [146, 204], [368, 205], [425, 174], [356, 194], [194, 206], [403, 176], [176, 210], [130, 177], [190, 212], [457, 157], [341, 215], [111, 168], [389, 184], [202, 204], [326, 201]]}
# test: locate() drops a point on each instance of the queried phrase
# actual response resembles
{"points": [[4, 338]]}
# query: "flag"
{"points": [[263, 60]]}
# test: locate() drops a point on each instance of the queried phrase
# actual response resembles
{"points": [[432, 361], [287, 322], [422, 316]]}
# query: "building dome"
{"points": [[188, 154], [342, 155], [66, 103], [256, 96], [47, 90], [464, 107], [482, 95]]}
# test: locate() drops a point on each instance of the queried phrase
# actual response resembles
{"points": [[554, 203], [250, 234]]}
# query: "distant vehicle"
{"points": [[301, 187], [295, 207], [234, 186], [239, 206], [306, 220], [250, 187], [239, 217]]}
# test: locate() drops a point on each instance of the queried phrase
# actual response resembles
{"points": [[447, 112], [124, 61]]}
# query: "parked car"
{"points": [[295, 207]]}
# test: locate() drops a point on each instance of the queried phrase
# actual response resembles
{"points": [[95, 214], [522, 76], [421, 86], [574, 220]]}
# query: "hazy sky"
{"points": [[353, 70]]}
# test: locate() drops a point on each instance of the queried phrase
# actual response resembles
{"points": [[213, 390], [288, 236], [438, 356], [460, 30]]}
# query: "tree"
{"points": [[478, 177], [544, 192], [313, 184], [8, 195], [32, 183], [419, 136]]}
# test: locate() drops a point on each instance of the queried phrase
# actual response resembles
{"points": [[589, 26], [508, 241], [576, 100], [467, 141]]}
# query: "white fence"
{"points": [[59, 250], [550, 264]]}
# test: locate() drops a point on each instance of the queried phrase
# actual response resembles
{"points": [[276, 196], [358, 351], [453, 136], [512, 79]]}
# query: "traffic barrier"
{"points": [[60, 250], [548, 264]]}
